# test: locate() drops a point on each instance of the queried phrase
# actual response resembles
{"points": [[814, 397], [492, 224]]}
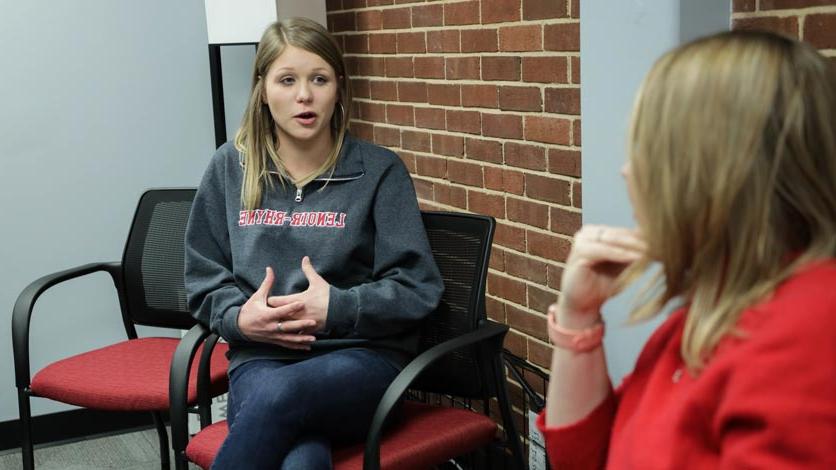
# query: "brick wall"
{"points": [[813, 21], [481, 99]]}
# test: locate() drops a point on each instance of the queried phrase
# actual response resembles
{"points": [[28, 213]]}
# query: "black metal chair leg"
{"points": [[511, 434], [26, 450], [165, 461]]}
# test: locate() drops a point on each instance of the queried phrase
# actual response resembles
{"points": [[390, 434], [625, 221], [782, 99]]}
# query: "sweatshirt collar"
{"points": [[349, 164]]}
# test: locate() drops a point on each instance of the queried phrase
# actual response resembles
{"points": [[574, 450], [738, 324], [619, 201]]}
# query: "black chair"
{"points": [[460, 356], [131, 375]]}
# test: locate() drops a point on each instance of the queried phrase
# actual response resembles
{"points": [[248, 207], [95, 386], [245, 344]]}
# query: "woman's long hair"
{"points": [[733, 156], [257, 140]]}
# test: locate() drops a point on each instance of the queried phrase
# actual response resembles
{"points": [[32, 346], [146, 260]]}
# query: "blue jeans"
{"points": [[284, 415]]}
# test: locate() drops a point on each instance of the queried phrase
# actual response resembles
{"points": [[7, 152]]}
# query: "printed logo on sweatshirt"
{"points": [[291, 219]]}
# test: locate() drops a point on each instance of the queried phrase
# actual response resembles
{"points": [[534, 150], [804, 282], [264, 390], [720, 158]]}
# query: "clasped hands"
{"points": [[286, 320]]}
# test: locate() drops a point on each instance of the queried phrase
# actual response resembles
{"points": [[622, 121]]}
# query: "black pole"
{"points": [[216, 76]]}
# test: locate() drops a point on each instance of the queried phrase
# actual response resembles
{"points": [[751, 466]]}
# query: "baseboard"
{"points": [[72, 424]]}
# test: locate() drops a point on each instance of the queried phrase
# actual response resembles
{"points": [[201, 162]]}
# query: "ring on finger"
{"points": [[279, 327]]}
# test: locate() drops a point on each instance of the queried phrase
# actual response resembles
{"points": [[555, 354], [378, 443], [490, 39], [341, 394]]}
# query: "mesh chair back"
{"points": [[152, 263], [461, 246]]}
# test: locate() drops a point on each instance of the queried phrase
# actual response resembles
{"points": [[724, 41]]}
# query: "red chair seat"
{"points": [[130, 376], [423, 436]]}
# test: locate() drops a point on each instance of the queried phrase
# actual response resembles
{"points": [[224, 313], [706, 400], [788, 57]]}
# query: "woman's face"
{"points": [[301, 92]]}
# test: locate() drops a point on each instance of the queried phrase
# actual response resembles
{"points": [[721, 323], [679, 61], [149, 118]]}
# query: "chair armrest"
{"points": [[22, 312], [487, 331], [178, 386]]}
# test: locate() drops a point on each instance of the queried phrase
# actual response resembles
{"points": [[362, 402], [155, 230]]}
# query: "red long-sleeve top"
{"points": [[764, 400]]}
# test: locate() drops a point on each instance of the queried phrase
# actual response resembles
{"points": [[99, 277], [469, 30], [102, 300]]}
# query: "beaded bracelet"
{"points": [[584, 340]]}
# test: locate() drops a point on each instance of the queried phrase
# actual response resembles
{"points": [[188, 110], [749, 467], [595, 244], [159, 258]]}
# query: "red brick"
{"points": [[370, 66], [548, 246], [510, 236], [563, 100], [412, 92], [375, 3], [539, 353], [515, 343], [445, 40], [576, 195], [353, 4], [493, 177], [444, 94], [362, 130], [545, 9], [545, 69], [356, 43], [451, 195], [540, 299], [820, 30], [448, 145], [563, 221], [787, 4], [461, 13], [484, 150], [464, 121], [464, 173], [423, 188], [429, 67], [548, 129], [528, 212], [520, 99], [524, 267], [418, 141], [487, 204], [525, 156], [744, 5], [497, 260], [576, 132], [427, 15], [502, 125], [429, 118], [397, 18], [383, 90], [360, 88], [555, 276], [462, 68], [383, 43], [513, 182], [387, 136], [333, 5], [500, 11], [500, 68], [787, 25], [400, 115], [375, 112], [431, 166], [506, 288], [547, 189], [399, 67], [576, 69], [529, 323], [412, 43], [369, 20], [341, 22], [480, 96], [565, 162], [521, 38], [562, 37], [479, 40]]}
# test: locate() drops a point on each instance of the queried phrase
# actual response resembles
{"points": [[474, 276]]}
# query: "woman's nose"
{"points": [[304, 93]]}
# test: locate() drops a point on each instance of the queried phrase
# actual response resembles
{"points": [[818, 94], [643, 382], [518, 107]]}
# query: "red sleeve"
{"points": [[779, 409], [583, 444]]}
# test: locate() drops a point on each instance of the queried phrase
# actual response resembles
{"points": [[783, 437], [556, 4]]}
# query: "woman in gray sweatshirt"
{"points": [[305, 251]]}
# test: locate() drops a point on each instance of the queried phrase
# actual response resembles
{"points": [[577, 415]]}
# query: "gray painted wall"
{"points": [[620, 41], [101, 99]]}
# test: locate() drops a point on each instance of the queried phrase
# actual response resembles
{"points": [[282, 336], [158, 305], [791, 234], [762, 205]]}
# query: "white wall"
{"points": [[101, 99], [620, 41]]}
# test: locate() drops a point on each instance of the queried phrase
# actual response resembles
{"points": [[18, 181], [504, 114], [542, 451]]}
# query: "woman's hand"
{"points": [[313, 300], [599, 254], [280, 325]]}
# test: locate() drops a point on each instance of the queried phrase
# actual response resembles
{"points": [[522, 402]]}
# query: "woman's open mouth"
{"points": [[306, 119]]}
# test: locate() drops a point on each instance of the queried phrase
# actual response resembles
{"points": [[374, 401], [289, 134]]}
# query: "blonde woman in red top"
{"points": [[732, 175]]}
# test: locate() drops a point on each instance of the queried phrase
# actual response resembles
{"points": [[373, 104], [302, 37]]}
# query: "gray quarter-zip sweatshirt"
{"points": [[360, 226]]}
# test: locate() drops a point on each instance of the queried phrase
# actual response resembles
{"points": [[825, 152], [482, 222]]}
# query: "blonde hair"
{"points": [[733, 157], [256, 139]]}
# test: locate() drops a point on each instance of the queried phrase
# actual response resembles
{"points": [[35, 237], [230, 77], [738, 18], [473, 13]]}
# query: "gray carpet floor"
{"points": [[130, 451]]}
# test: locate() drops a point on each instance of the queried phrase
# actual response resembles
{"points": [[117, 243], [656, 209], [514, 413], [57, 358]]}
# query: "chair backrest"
{"points": [[461, 246], [152, 264]]}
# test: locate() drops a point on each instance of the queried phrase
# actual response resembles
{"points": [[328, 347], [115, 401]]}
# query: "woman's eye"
{"points": [[320, 80], [286, 80]]}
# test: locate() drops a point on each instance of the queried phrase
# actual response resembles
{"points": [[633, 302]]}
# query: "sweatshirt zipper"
{"points": [[298, 195]]}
